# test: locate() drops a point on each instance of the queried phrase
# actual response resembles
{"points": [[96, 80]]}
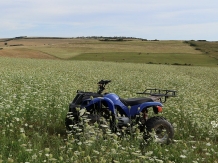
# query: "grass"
{"points": [[34, 98], [69, 50], [134, 51], [151, 58], [208, 48]]}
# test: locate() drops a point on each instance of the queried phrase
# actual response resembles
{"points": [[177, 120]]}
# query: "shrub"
{"points": [[192, 44]]}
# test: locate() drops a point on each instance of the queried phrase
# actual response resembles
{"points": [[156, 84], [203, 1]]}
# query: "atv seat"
{"points": [[135, 101]]}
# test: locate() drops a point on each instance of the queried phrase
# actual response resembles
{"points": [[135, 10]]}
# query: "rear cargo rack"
{"points": [[159, 93]]}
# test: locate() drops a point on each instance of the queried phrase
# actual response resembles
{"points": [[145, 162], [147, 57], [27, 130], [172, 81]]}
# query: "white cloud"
{"points": [[105, 17], [9, 25]]}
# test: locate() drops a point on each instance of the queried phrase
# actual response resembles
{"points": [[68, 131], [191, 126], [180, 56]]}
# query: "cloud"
{"points": [[105, 17]]}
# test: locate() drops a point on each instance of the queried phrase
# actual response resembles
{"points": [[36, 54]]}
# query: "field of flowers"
{"points": [[34, 99]]}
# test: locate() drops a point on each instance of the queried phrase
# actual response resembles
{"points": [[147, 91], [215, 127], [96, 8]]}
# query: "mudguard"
{"points": [[103, 99], [148, 104]]}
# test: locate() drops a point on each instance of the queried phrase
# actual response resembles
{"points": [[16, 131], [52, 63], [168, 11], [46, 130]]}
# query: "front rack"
{"points": [[159, 94]]}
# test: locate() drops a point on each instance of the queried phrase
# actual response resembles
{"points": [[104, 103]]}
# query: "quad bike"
{"points": [[123, 112]]}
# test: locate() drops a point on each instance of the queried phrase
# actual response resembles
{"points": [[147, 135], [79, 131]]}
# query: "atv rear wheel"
{"points": [[161, 128]]}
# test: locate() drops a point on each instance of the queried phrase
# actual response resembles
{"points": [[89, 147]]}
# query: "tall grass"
{"points": [[34, 98]]}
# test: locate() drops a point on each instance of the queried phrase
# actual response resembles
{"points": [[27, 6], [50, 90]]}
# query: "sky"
{"points": [[147, 19]]}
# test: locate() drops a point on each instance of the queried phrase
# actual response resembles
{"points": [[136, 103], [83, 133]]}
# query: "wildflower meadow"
{"points": [[35, 96]]}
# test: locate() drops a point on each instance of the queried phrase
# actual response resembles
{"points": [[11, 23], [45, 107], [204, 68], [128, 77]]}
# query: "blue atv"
{"points": [[123, 113]]}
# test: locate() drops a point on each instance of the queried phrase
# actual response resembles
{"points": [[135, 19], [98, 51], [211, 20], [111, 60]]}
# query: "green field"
{"points": [[192, 53], [35, 94]]}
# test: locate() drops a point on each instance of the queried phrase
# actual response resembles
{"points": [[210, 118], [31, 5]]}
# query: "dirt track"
{"points": [[24, 53], [19, 48]]}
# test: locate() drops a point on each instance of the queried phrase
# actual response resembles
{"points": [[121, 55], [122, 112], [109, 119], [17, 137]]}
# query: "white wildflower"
{"points": [[214, 124], [182, 156]]}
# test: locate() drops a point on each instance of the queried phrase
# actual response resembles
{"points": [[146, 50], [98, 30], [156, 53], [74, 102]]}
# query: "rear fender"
{"points": [[150, 104], [103, 99]]}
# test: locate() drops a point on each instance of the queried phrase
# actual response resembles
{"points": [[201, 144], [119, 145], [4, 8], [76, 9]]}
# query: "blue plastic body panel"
{"points": [[113, 100]]}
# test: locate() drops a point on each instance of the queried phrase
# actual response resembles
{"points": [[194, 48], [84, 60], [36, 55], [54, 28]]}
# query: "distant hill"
{"points": [[113, 49]]}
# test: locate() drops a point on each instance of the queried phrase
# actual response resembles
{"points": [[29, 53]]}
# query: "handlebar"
{"points": [[101, 85], [104, 82]]}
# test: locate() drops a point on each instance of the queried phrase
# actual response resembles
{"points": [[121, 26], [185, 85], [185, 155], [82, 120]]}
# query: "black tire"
{"points": [[74, 119], [162, 129]]}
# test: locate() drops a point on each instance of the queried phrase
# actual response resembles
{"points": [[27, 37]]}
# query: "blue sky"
{"points": [[148, 19]]}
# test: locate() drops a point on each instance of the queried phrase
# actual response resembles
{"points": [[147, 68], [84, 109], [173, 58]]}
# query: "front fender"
{"points": [[104, 99], [149, 104]]}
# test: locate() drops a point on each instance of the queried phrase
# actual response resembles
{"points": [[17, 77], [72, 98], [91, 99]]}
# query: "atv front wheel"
{"points": [[70, 120], [75, 120], [161, 128]]}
